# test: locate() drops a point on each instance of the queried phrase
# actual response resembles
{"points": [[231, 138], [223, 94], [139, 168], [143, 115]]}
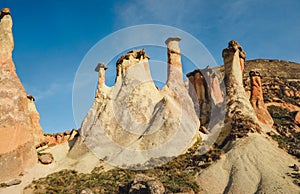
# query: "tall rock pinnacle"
{"points": [[257, 99], [19, 121], [239, 108], [174, 61]]}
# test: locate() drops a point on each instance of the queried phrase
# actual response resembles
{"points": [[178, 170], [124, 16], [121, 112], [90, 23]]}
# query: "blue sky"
{"points": [[53, 36]]}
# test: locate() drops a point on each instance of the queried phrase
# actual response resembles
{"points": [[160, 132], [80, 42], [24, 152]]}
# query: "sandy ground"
{"points": [[254, 165], [84, 164]]}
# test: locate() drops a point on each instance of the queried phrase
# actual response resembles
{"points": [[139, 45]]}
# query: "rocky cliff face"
{"points": [[19, 120], [134, 122], [281, 92]]}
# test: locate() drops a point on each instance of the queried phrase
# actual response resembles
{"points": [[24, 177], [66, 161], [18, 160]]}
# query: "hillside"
{"points": [[231, 129]]}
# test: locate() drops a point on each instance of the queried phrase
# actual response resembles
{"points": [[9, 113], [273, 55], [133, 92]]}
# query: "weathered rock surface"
{"points": [[205, 90], [143, 184], [37, 130], [200, 93], [45, 158], [152, 120], [257, 99], [297, 118], [240, 116], [252, 164], [19, 127], [57, 138], [13, 182]]}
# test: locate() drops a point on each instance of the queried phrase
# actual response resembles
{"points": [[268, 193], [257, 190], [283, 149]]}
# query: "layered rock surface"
{"points": [[19, 120], [253, 164], [257, 99], [134, 122]]}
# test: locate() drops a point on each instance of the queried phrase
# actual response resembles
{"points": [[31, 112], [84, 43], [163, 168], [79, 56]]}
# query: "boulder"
{"points": [[143, 184], [13, 182], [86, 191], [45, 158]]}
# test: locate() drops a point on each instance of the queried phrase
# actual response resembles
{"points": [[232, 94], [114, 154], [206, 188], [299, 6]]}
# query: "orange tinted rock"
{"points": [[257, 100], [17, 123], [202, 92], [297, 118]]}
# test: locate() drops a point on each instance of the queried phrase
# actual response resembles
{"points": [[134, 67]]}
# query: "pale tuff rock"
{"points": [[19, 121], [257, 99], [240, 114], [174, 61], [242, 55], [6, 35], [133, 121], [37, 130], [253, 164]]}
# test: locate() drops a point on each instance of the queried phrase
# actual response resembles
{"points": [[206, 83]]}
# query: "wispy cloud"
{"points": [[44, 92], [176, 13]]}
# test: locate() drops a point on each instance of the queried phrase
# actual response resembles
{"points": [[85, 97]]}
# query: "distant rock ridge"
{"points": [[19, 121], [57, 138], [156, 123]]}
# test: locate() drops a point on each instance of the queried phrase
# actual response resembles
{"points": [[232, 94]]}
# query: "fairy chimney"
{"points": [[19, 121], [101, 68], [174, 61], [238, 104], [257, 99], [132, 121]]}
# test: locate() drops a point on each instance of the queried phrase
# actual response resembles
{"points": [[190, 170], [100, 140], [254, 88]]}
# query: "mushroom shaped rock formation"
{"points": [[133, 122], [19, 121], [240, 115], [257, 99]]}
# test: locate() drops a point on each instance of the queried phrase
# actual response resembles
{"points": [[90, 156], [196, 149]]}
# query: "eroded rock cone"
{"points": [[19, 121], [133, 122], [257, 99], [240, 114]]}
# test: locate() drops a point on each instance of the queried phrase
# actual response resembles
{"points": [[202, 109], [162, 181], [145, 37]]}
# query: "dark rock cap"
{"points": [[172, 39], [5, 10], [254, 73], [30, 97], [99, 66]]}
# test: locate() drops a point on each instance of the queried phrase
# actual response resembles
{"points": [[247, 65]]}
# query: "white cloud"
{"points": [[51, 90]]}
